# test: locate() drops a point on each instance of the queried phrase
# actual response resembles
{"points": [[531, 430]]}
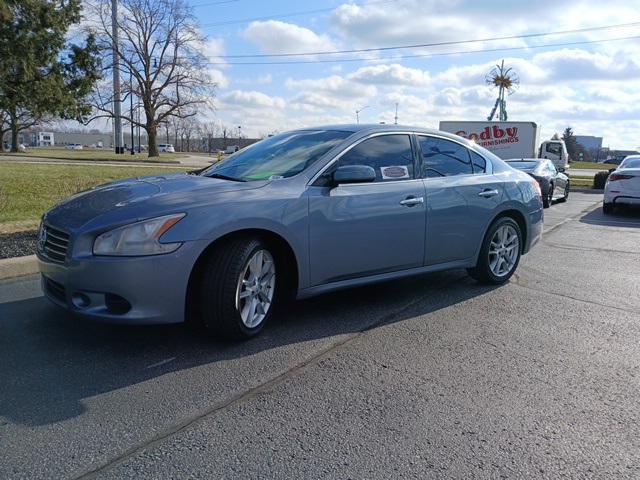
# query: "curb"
{"points": [[18, 266]]}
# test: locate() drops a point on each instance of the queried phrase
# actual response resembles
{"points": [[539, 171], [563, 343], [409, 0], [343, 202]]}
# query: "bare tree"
{"points": [[211, 130], [160, 62]]}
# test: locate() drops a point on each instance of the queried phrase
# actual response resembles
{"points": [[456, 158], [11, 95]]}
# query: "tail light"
{"points": [[619, 176]]}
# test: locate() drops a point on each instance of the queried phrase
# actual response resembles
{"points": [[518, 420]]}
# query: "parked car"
{"points": [[166, 148], [623, 185], [231, 149], [628, 160], [298, 214], [555, 185], [73, 146]]}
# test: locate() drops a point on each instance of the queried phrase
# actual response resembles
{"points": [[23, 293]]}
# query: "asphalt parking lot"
{"points": [[433, 376]]}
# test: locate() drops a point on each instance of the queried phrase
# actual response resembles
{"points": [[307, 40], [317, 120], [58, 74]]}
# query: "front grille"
{"points": [[55, 289], [54, 243]]}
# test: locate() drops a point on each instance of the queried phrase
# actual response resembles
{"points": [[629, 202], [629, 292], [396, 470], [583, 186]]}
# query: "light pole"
{"points": [[239, 134], [358, 113], [395, 121]]}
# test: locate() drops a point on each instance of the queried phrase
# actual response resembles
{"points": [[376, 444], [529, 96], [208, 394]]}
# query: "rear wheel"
{"points": [[607, 208], [500, 252], [238, 288], [548, 198]]}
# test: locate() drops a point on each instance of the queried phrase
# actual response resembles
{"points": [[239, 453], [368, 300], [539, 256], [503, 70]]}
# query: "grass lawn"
{"points": [[95, 154], [28, 189], [581, 182], [592, 165]]}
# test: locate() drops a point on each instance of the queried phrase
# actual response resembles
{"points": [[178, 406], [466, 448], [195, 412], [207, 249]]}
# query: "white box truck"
{"points": [[511, 140]]}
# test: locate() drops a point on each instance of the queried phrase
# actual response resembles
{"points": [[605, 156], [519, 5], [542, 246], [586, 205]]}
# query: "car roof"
{"points": [[375, 127], [537, 160]]}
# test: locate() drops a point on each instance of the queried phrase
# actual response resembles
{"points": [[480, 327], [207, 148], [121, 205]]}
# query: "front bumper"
{"points": [[130, 290]]}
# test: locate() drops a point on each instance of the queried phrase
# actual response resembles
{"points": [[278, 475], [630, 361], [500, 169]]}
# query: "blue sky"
{"points": [[595, 88]]}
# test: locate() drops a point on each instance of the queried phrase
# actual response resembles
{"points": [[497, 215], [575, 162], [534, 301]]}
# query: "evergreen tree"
{"points": [[40, 75]]}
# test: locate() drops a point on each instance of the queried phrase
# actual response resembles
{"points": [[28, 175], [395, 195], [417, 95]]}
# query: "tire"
{"points": [[483, 272], [222, 287], [566, 193], [607, 208], [548, 198]]}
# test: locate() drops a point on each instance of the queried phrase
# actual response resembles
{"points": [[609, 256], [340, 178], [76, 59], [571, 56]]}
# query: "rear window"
{"points": [[631, 163], [524, 165]]}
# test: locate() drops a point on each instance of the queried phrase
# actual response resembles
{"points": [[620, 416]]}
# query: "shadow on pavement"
{"points": [[623, 216], [50, 361]]}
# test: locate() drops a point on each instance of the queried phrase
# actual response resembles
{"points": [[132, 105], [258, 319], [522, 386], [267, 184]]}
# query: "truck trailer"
{"points": [[510, 140]]}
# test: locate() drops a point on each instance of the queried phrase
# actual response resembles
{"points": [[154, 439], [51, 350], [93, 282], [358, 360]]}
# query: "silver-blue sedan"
{"points": [[298, 214]]}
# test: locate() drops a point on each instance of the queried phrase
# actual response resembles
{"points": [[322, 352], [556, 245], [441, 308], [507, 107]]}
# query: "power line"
{"points": [[435, 44], [211, 4], [436, 54], [286, 15]]}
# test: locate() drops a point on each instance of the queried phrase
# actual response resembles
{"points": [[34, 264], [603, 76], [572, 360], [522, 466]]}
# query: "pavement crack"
{"points": [[520, 283], [588, 249], [254, 391]]}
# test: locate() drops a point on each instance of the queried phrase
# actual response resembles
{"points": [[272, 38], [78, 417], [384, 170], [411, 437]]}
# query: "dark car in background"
{"points": [[555, 185]]}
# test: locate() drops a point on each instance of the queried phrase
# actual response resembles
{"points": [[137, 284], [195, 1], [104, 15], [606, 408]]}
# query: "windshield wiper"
{"points": [[225, 177]]}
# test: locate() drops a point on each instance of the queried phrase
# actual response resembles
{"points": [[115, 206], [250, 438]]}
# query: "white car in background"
{"points": [[623, 185], [73, 146], [166, 148]]}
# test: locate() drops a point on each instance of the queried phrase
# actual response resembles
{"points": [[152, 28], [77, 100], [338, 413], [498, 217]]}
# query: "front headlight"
{"points": [[140, 238]]}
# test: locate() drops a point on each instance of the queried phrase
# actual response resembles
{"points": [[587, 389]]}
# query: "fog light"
{"points": [[80, 300], [116, 304]]}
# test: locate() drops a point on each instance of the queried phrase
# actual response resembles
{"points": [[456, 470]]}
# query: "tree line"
{"points": [[44, 75]]}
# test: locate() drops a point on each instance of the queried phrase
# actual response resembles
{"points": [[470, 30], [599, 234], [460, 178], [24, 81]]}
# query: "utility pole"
{"points": [[117, 113], [395, 120], [131, 108]]}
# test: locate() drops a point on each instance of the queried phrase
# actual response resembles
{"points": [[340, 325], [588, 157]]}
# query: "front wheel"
{"points": [[500, 252], [238, 288], [607, 208], [565, 197]]}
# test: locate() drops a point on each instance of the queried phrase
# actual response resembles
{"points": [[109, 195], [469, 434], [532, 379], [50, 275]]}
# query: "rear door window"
{"points": [[443, 158]]}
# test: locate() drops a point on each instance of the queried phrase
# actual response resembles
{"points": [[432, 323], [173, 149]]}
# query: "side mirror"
{"points": [[562, 169], [354, 174]]}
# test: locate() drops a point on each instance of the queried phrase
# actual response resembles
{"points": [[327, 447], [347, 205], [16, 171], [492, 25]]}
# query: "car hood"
{"points": [[140, 197]]}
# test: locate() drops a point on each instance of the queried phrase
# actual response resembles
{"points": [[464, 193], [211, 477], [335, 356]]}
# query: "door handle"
{"points": [[488, 193], [411, 201]]}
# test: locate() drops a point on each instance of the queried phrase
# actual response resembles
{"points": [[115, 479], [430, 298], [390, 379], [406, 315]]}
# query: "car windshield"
{"points": [[280, 156], [523, 165], [631, 163]]}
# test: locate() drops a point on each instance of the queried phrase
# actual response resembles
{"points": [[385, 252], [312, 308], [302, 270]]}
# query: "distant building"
{"points": [[589, 142], [45, 139]]}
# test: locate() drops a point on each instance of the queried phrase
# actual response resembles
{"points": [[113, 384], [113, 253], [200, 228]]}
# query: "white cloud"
{"points": [[335, 85], [218, 78], [273, 36], [394, 74], [253, 99]]}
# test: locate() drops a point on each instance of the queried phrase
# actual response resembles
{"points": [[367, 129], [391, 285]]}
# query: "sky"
{"points": [[592, 87]]}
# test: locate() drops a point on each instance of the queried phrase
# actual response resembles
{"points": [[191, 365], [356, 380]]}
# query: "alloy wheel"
{"points": [[256, 286], [504, 250]]}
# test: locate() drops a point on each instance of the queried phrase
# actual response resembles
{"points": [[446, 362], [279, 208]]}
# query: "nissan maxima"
{"points": [[295, 215]]}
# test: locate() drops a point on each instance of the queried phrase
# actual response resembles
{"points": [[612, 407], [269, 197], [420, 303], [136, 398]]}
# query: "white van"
{"points": [[166, 148]]}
